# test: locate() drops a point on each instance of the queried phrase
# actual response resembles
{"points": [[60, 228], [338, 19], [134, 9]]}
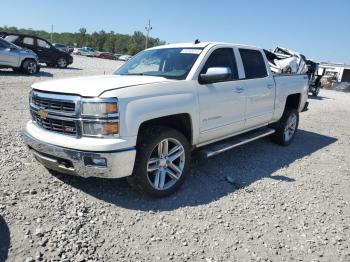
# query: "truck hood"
{"points": [[94, 86]]}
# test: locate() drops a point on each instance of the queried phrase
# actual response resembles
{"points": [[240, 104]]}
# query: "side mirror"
{"points": [[215, 74]]}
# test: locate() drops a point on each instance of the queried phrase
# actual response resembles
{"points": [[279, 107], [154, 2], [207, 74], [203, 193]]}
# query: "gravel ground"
{"points": [[285, 203]]}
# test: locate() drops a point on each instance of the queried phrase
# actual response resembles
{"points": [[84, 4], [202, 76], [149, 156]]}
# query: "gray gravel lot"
{"points": [[287, 203]]}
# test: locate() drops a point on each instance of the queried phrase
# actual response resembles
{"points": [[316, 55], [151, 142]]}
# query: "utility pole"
{"points": [[148, 29], [51, 32]]}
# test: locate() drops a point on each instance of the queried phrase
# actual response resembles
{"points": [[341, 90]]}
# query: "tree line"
{"points": [[102, 40]]}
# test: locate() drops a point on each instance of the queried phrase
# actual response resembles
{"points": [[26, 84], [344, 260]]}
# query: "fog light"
{"points": [[95, 161]]}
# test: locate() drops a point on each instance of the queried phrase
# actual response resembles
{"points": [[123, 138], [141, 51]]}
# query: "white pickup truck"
{"points": [[144, 121]]}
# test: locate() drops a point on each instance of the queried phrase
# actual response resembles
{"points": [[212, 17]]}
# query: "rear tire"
{"points": [[30, 66], [162, 161], [286, 128], [316, 92]]}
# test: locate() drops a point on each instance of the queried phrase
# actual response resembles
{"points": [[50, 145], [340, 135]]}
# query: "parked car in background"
{"points": [[117, 55], [17, 58], [46, 52], [124, 57], [85, 51], [106, 55], [61, 47]]}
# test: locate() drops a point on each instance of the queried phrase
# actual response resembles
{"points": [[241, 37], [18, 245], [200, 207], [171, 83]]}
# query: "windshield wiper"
{"points": [[133, 74]]}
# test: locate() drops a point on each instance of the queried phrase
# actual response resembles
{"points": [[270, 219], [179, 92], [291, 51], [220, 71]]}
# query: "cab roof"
{"points": [[200, 45]]}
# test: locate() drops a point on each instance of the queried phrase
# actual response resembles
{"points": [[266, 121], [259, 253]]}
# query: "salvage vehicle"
{"points": [[285, 61], [46, 52], [17, 58], [315, 74], [144, 121]]}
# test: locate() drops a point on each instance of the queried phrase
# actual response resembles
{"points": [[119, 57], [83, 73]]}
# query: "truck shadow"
{"points": [[4, 239], [318, 97], [207, 181], [67, 68]]}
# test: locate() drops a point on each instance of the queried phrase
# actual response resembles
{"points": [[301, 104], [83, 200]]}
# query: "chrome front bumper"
{"points": [[76, 162]]}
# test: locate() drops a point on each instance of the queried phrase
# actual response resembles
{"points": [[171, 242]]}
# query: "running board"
{"points": [[227, 144]]}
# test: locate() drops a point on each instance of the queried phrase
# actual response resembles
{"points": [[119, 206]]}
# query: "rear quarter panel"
{"points": [[287, 85]]}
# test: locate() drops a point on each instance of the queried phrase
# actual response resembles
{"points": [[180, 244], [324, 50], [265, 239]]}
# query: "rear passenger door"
{"points": [[259, 88], [221, 104], [29, 43]]}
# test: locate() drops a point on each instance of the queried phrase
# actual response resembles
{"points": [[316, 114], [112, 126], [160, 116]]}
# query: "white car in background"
{"points": [[124, 57], [85, 51]]}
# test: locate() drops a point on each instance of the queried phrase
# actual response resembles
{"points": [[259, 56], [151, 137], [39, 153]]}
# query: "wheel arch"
{"points": [[293, 101], [26, 59], [181, 122]]}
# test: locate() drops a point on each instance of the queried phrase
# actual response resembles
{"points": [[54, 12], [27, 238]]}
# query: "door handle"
{"points": [[269, 86], [239, 89]]}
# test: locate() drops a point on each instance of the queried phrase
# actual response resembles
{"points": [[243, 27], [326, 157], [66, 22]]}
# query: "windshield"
{"points": [[6, 44], [173, 63]]}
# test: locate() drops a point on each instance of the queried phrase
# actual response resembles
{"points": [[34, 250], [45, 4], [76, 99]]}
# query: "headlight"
{"points": [[99, 117], [99, 108], [100, 128]]}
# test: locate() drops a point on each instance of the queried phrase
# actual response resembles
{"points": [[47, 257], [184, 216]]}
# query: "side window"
{"points": [[11, 38], [253, 63], [43, 44], [28, 41], [222, 57]]}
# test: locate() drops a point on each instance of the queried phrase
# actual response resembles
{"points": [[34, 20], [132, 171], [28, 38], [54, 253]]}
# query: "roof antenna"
{"points": [[196, 41]]}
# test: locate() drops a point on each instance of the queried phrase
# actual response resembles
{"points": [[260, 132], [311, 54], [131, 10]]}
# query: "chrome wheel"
{"points": [[290, 128], [31, 67], [62, 63], [166, 164]]}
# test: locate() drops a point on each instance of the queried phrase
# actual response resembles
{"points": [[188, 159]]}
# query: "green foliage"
{"points": [[102, 41]]}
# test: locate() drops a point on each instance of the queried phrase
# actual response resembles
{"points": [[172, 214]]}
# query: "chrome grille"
{"points": [[68, 127], [56, 105]]}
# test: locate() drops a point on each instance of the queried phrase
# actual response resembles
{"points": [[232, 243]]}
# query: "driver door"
{"points": [[221, 104]]}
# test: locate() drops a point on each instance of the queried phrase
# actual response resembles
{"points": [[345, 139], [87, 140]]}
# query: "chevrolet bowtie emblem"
{"points": [[42, 114]]}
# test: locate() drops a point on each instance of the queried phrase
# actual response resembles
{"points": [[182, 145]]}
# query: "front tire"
{"points": [[30, 67], [162, 161], [62, 62], [286, 128]]}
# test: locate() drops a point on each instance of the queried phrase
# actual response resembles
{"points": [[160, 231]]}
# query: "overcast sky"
{"points": [[318, 29]]}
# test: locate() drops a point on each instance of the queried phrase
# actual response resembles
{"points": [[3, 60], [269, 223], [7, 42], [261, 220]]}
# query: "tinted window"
{"points": [[253, 63], [43, 43], [222, 57], [28, 41], [11, 38]]}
